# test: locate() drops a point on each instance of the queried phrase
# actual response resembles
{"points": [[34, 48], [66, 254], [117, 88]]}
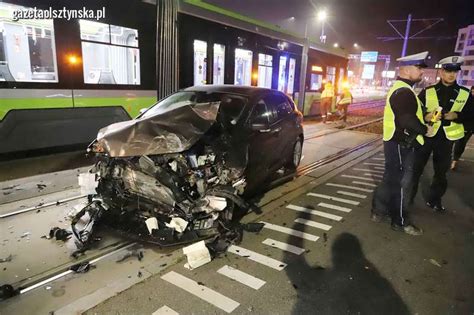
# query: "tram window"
{"points": [[265, 70], [243, 67], [316, 81], [27, 48], [291, 76], [219, 59], [331, 74], [282, 74], [109, 55], [200, 62]]}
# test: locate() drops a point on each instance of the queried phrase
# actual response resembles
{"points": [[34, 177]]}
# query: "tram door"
{"points": [[200, 62], [243, 67], [282, 74], [219, 58]]}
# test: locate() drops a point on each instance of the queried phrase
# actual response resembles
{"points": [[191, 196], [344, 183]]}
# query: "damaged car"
{"points": [[179, 172]]}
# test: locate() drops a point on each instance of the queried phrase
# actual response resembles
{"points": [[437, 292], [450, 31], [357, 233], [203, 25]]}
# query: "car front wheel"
{"points": [[295, 158]]}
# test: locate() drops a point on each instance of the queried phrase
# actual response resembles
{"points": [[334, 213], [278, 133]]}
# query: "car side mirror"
{"points": [[260, 127]]}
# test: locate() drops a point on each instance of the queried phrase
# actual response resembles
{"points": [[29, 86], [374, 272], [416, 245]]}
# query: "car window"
{"points": [[279, 105], [260, 113]]}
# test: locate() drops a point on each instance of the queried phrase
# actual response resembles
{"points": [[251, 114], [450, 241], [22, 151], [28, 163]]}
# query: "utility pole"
{"points": [[407, 33]]}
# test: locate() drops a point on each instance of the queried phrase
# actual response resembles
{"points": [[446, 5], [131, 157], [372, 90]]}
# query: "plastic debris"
{"points": [[59, 234], [82, 267], [151, 224], [197, 255], [434, 262], [178, 224], [25, 234], [88, 183]]}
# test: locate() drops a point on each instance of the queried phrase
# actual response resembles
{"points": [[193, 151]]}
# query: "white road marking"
{"points": [[350, 187], [346, 193], [202, 292], [315, 212], [367, 170], [333, 207], [165, 310], [374, 164], [378, 158], [374, 175], [315, 224], [350, 202], [242, 277], [360, 177], [379, 168], [366, 184], [259, 258], [284, 246], [289, 231]]}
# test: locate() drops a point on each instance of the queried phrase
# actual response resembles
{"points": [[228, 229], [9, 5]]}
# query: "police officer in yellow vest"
{"points": [[457, 108], [403, 130]]}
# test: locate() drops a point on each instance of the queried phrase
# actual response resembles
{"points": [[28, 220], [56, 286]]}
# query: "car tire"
{"points": [[295, 158]]}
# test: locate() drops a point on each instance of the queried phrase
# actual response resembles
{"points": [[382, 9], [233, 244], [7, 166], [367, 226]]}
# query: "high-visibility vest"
{"points": [[327, 92], [346, 98], [453, 131], [389, 116]]}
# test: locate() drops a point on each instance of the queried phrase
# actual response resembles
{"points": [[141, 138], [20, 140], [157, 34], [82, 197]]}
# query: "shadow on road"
{"points": [[351, 286]]}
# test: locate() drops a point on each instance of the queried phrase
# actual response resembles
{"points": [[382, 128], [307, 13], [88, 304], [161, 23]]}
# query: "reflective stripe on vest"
{"points": [[346, 98], [453, 131], [389, 116]]}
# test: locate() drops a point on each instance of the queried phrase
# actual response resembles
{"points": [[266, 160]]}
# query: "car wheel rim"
{"points": [[297, 153]]}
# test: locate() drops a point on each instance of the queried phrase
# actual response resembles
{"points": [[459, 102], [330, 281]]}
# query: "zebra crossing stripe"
{"points": [[284, 246], [315, 224], [373, 175], [360, 177], [350, 187], [242, 277], [379, 168], [367, 170], [282, 229], [315, 212], [334, 207], [346, 193], [258, 258], [350, 202], [200, 291], [378, 158], [366, 184], [374, 164], [165, 310]]}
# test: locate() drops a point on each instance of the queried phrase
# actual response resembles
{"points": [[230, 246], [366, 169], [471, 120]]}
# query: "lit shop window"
{"points": [[291, 76], [219, 61], [200, 62], [265, 70], [109, 55], [27, 48], [282, 74], [243, 67]]}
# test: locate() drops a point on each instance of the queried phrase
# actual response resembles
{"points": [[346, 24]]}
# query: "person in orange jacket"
{"points": [[326, 100]]}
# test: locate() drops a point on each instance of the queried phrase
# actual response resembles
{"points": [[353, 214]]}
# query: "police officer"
{"points": [[460, 145], [457, 108], [403, 130]]}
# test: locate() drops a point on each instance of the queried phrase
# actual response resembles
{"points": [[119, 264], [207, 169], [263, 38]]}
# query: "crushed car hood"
{"points": [[171, 131]]}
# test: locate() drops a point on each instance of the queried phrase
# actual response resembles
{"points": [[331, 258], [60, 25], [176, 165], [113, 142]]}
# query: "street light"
{"points": [[322, 15], [336, 45], [356, 45]]}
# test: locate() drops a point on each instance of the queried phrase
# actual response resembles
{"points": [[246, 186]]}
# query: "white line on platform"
{"points": [[165, 310], [282, 229], [314, 224], [362, 183], [374, 164], [242, 277], [333, 207], [258, 258], [284, 246], [346, 193], [360, 177], [350, 202], [350, 187], [367, 170], [202, 292], [315, 212], [373, 175]]}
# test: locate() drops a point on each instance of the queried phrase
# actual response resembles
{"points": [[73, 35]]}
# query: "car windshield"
{"points": [[230, 110]]}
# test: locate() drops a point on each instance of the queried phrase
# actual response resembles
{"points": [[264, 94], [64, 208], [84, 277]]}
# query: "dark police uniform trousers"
{"points": [[391, 197]]}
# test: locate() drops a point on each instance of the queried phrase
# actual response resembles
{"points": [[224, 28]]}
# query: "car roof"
{"points": [[250, 91]]}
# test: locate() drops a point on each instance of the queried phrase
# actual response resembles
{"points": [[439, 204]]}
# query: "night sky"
{"points": [[362, 21]]}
